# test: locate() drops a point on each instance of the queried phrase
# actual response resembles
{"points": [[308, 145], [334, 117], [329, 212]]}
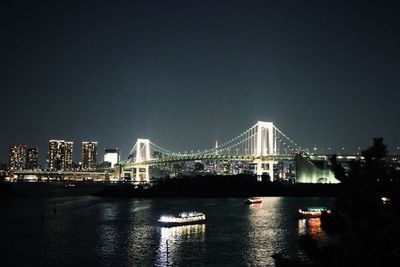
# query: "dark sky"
{"points": [[185, 73]]}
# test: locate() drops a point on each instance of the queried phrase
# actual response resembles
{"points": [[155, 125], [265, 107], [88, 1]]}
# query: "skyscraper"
{"points": [[31, 158], [17, 157], [89, 155], [112, 155], [69, 151], [60, 155]]}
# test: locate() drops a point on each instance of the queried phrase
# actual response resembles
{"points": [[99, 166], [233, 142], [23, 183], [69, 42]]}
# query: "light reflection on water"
{"points": [[172, 238], [141, 236], [264, 233], [312, 227], [106, 232]]}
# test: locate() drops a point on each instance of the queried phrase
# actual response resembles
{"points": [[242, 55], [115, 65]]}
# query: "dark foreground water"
{"points": [[59, 226]]}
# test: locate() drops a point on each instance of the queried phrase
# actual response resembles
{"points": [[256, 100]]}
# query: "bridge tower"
{"points": [[266, 139], [265, 146], [142, 148], [140, 154]]}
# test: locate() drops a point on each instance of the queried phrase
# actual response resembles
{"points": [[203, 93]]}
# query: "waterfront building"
{"points": [[89, 155], [69, 151], [32, 158], [112, 155], [317, 170], [59, 156], [17, 157]]}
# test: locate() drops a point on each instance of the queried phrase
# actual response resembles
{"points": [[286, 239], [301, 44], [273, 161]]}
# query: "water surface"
{"points": [[61, 226]]}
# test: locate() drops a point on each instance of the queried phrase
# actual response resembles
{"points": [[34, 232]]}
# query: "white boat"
{"points": [[183, 218], [253, 200]]}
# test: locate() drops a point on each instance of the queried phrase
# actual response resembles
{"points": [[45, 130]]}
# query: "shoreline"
{"points": [[217, 186]]}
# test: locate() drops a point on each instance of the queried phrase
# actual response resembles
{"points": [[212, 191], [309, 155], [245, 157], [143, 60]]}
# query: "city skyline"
{"points": [[77, 153], [22, 156], [188, 74]]}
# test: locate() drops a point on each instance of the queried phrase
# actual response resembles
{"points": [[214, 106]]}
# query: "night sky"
{"points": [[187, 73]]}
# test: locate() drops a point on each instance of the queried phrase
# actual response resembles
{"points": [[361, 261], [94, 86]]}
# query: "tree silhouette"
{"points": [[372, 169], [338, 170], [373, 232]]}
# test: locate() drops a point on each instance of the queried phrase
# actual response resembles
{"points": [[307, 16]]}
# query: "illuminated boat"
{"points": [[183, 218], [313, 212], [253, 200], [69, 185]]}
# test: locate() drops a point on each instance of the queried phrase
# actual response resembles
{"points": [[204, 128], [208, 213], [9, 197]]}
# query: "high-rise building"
{"points": [[89, 155], [17, 157], [31, 158], [59, 157], [112, 155], [56, 155], [69, 151]]}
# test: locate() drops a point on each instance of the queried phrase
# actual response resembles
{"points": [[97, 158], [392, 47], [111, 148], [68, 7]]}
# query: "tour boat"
{"points": [[313, 212], [253, 200], [183, 218]]}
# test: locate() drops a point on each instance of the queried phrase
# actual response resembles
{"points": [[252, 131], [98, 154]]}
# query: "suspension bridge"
{"points": [[263, 144]]}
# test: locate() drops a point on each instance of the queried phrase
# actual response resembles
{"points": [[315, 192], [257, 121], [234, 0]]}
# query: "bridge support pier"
{"points": [[138, 174], [141, 174], [265, 166]]}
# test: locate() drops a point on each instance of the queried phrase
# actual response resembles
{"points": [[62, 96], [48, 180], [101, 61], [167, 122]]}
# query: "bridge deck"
{"points": [[166, 160]]}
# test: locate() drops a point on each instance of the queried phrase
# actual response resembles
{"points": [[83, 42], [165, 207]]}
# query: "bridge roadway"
{"points": [[285, 157], [181, 158]]}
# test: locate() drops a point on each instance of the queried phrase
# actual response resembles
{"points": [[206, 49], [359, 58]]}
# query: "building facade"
{"points": [[59, 156], [69, 151], [112, 155], [17, 157], [89, 155], [32, 158]]}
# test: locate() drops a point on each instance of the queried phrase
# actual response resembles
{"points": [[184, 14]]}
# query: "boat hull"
{"points": [[172, 224], [313, 212], [253, 202], [304, 216], [250, 201]]}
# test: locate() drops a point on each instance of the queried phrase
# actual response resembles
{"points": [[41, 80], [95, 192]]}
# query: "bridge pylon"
{"points": [[142, 150], [139, 154], [266, 139]]}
